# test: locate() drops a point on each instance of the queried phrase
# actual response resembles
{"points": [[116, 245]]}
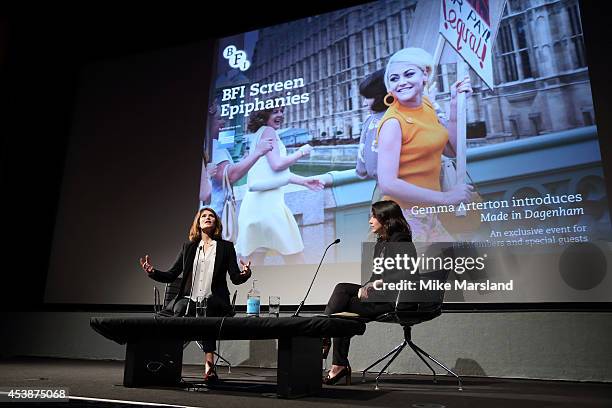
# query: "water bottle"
{"points": [[253, 301]]}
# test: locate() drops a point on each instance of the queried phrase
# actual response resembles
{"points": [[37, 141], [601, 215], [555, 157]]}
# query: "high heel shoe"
{"points": [[211, 376], [326, 346], [345, 372]]}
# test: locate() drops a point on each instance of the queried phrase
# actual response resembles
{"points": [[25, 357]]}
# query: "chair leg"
{"points": [[418, 350], [229, 365], [397, 353], [363, 374]]}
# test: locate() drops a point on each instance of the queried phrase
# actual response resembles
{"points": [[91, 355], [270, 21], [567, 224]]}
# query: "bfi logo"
{"points": [[237, 58]]}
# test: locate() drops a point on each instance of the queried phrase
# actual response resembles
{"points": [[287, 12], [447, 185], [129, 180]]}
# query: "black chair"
{"points": [[412, 308], [170, 292]]}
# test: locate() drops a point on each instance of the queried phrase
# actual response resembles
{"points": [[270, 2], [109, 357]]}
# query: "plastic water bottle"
{"points": [[253, 301]]}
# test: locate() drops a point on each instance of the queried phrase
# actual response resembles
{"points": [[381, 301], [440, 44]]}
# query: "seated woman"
{"points": [[388, 222], [205, 261]]}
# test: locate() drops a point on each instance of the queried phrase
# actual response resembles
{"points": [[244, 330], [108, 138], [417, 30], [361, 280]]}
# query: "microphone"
{"points": [[234, 299], [297, 312]]}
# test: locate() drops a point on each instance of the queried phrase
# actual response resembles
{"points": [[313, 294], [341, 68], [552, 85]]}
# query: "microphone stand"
{"points": [[297, 312]]}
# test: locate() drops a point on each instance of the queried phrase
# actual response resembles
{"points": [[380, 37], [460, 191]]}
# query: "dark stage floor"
{"points": [[254, 387]]}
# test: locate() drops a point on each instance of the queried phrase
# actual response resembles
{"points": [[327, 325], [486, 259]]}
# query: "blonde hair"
{"points": [[412, 55]]}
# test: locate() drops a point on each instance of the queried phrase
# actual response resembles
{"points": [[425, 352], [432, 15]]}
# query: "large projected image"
{"points": [[299, 132]]}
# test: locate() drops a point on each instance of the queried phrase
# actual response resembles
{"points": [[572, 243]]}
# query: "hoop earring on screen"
{"points": [[386, 101]]}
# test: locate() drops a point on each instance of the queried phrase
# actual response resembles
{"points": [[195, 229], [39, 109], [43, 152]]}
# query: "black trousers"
{"points": [[214, 308], [344, 299]]}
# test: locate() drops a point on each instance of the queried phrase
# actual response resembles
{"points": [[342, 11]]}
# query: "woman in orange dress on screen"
{"points": [[411, 141]]}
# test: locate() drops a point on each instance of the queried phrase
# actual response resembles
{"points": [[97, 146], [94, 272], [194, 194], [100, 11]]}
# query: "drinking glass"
{"points": [[201, 305], [274, 306]]}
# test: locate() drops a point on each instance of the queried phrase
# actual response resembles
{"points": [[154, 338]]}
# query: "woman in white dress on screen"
{"points": [[265, 223]]}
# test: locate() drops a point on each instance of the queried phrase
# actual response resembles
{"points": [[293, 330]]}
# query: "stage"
{"points": [[99, 384]]}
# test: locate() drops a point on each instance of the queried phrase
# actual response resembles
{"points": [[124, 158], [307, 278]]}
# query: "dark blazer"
{"points": [[399, 243], [391, 251], [225, 263]]}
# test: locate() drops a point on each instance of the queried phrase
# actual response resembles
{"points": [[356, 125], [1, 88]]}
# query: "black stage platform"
{"points": [[256, 387]]}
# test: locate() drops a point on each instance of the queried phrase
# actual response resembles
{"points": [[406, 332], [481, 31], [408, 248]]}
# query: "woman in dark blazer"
{"points": [[388, 223], [204, 241]]}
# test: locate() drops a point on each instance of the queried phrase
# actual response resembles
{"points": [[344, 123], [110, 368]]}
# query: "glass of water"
{"points": [[274, 306], [201, 305]]}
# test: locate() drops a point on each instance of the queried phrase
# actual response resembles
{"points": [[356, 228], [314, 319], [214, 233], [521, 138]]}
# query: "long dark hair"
{"points": [[390, 215]]}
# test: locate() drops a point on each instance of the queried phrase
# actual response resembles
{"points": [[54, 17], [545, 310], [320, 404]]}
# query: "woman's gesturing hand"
{"points": [[461, 193], [264, 146], [314, 184], [462, 86], [246, 268], [365, 290], [305, 149], [146, 264]]}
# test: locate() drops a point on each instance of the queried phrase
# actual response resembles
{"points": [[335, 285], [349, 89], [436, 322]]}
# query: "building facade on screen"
{"points": [[539, 67]]}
